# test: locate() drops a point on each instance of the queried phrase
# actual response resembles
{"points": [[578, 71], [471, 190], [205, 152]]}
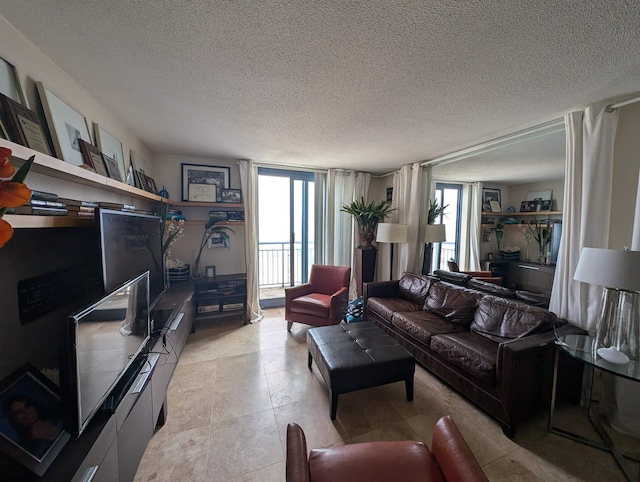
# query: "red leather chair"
{"points": [[449, 459], [320, 302], [481, 275]]}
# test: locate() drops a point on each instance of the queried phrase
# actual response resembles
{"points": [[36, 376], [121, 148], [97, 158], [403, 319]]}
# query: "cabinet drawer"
{"points": [[101, 463]]}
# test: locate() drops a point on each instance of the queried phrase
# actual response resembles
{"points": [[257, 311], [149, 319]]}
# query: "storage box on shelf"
{"points": [[224, 295]]}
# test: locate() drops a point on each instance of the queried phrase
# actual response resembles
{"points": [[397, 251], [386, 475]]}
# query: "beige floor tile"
{"points": [[237, 387], [242, 445]]}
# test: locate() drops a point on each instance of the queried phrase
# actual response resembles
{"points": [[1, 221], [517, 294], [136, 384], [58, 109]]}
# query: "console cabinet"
{"points": [[531, 276], [224, 295]]}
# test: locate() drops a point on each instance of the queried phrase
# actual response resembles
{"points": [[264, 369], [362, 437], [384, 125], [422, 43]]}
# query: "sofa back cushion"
{"points": [[453, 277], [491, 288], [453, 303], [502, 319], [414, 287]]}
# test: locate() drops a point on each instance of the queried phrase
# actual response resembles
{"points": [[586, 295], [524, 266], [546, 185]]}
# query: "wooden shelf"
{"points": [[202, 222], [196, 204], [54, 167], [536, 213], [21, 221]]}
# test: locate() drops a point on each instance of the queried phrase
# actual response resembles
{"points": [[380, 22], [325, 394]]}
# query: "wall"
{"points": [[625, 177], [226, 261]]}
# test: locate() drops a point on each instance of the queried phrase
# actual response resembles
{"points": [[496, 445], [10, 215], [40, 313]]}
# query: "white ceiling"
{"points": [[368, 85]]}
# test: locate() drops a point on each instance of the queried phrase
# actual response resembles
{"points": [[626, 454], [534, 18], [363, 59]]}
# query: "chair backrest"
{"points": [[328, 279], [453, 266]]}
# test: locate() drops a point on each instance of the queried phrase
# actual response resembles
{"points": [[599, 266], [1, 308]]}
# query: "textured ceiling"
{"points": [[368, 85]]}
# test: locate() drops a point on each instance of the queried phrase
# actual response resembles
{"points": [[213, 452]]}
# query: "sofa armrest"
{"points": [[453, 455], [297, 469], [381, 289]]}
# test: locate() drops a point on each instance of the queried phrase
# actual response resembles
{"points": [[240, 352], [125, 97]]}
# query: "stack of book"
{"points": [[174, 214], [42, 204], [81, 209]]}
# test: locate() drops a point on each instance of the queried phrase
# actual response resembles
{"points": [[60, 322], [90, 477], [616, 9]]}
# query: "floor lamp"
{"points": [[433, 233], [618, 325], [392, 233]]}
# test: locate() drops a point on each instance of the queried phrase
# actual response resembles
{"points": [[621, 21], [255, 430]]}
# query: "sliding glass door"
{"points": [[286, 231], [449, 195]]}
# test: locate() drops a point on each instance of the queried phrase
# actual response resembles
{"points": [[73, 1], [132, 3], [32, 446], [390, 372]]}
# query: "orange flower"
{"points": [[13, 194], [6, 231], [6, 168]]}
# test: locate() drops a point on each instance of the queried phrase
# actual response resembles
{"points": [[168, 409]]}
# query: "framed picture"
{"points": [[31, 428], [112, 148], [389, 195], [203, 193], [66, 124], [495, 207], [139, 164], [528, 206], [93, 157], [489, 195], [24, 125], [204, 175], [217, 216], [10, 83], [231, 196], [151, 184], [112, 167], [486, 236], [486, 207], [489, 256], [533, 195], [209, 271], [545, 205]]}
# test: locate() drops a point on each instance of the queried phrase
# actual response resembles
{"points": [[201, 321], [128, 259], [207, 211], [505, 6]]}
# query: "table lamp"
{"points": [[618, 324], [392, 233], [433, 233]]}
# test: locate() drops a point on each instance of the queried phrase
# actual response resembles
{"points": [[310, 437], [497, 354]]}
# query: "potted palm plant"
{"points": [[367, 217]]}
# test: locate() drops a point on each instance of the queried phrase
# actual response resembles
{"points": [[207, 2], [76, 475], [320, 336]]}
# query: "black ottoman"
{"points": [[357, 356]]}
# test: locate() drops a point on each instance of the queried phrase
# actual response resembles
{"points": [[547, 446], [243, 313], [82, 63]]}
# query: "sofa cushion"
{"points": [[414, 287], [453, 303], [315, 304], [422, 325], [473, 353], [490, 288], [454, 277], [384, 308], [535, 299], [503, 319]]}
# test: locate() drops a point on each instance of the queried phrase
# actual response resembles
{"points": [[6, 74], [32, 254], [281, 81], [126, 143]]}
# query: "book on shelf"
{"points": [[45, 196], [110, 205], [232, 306], [81, 214], [77, 202], [46, 204], [39, 210]]}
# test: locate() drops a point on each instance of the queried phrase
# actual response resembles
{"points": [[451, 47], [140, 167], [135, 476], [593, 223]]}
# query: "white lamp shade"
{"points": [[392, 233], [435, 233], [611, 268]]}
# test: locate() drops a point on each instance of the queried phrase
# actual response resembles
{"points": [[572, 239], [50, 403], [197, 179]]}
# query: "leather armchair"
{"points": [[322, 301], [449, 459]]}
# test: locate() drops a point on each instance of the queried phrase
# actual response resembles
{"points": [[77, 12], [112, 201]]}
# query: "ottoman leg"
{"points": [[408, 385], [309, 360], [334, 403]]}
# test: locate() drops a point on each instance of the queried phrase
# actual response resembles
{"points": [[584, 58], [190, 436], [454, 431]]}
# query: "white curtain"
{"points": [[587, 197], [475, 218], [339, 226], [409, 201], [320, 216], [249, 184]]}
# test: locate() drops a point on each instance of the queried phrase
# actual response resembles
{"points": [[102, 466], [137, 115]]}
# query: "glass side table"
{"points": [[580, 347]]}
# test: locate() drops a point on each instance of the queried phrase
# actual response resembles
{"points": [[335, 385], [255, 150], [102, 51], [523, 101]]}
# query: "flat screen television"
{"points": [[130, 244], [104, 340]]}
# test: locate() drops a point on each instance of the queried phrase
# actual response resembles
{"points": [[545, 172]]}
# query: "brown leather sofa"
{"points": [[449, 459], [496, 351]]}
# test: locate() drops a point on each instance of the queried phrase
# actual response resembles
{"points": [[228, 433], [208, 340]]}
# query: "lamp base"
{"points": [[612, 355]]}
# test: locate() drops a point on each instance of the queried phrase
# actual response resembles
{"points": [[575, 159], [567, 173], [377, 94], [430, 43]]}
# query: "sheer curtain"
{"points": [[410, 203], [339, 230], [249, 184], [587, 196], [475, 217]]}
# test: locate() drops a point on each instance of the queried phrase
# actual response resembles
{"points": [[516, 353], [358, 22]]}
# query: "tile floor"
{"points": [[236, 387]]}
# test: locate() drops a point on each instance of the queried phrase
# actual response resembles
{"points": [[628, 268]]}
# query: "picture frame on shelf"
{"points": [[528, 206], [486, 207], [93, 158], [489, 195], [10, 84], [27, 391], [495, 207], [545, 205], [210, 271], [66, 125], [231, 196], [203, 193], [23, 125], [113, 169], [139, 164], [151, 184], [203, 175], [112, 148], [218, 216]]}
